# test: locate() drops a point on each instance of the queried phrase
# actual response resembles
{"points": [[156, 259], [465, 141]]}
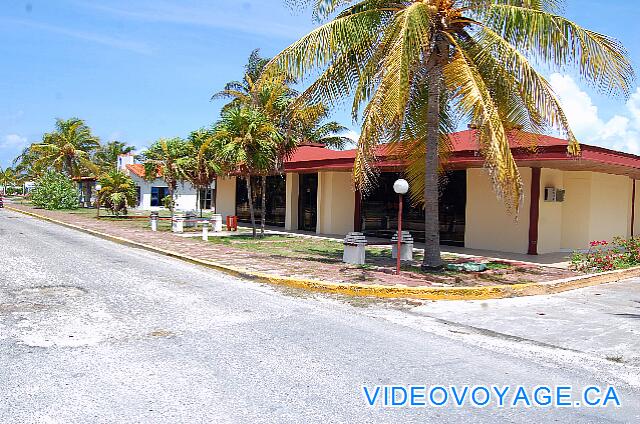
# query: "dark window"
{"points": [[308, 202], [207, 198], [157, 194], [275, 200], [380, 210], [138, 196]]}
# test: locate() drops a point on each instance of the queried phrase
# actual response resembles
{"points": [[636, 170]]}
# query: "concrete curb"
{"points": [[399, 291]]}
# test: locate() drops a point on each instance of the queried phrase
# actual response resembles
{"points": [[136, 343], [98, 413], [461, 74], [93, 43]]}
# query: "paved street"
{"points": [[91, 331]]}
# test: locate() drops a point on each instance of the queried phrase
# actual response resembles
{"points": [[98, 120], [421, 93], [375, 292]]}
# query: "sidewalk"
{"points": [[380, 268]]}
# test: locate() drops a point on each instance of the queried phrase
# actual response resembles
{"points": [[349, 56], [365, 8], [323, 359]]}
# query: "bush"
{"points": [[604, 256], [55, 191], [118, 192]]}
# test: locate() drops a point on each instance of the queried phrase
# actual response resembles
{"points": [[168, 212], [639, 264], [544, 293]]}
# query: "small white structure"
{"points": [[216, 222], [406, 246], [354, 249], [151, 193]]}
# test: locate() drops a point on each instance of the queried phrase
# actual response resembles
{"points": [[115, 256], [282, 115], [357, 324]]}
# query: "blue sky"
{"points": [[137, 70]]}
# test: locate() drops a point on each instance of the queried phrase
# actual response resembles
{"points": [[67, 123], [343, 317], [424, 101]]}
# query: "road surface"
{"points": [[91, 331]]}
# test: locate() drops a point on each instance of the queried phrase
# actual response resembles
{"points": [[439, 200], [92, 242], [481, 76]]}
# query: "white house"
{"points": [[151, 193]]}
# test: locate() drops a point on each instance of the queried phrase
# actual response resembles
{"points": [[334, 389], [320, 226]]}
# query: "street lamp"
{"points": [[401, 187]]}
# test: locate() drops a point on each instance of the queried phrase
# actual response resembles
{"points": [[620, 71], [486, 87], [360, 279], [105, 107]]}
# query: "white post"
{"points": [[154, 221], [205, 231]]}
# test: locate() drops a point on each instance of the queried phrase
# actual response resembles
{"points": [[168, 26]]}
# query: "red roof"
{"points": [[528, 150], [138, 169]]}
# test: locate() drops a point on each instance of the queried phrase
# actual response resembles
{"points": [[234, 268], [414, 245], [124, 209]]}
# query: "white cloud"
{"points": [[92, 37], [13, 141], [621, 132]]}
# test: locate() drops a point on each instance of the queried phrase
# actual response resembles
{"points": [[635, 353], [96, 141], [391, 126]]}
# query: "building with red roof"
{"points": [[568, 200]]}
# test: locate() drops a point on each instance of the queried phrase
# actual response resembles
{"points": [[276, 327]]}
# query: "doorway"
{"points": [[308, 202]]}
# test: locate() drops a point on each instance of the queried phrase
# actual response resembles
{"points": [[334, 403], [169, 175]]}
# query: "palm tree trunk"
{"points": [[264, 204], [432, 259], [251, 211]]}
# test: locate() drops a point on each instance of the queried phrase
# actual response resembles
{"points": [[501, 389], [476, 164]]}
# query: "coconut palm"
{"points": [[414, 68], [162, 159], [297, 121], [246, 143], [106, 157], [313, 127], [199, 166], [7, 177], [68, 149], [117, 192]]}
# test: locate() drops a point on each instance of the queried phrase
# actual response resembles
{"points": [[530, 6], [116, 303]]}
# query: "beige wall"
{"points": [[550, 217], [488, 225], [576, 210], [610, 206], [292, 192], [336, 203], [226, 196]]}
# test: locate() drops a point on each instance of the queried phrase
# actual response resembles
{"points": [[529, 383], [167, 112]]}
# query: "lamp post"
{"points": [[401, 187]]}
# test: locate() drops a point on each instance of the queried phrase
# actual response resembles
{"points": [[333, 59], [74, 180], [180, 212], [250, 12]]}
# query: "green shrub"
{"points": [[55, 191], [118, 192]]}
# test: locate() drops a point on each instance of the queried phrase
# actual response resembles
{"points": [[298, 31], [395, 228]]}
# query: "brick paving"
{"points": [[327, 269]]}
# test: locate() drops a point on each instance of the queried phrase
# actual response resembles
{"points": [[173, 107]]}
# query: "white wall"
{"points": [[186, 195]]}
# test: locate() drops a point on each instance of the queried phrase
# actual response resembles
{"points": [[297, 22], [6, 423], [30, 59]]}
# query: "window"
{"points": [[207, 198], [157, 194], [138, 196]]}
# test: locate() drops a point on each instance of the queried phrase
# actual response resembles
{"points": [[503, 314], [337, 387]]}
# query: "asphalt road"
{"points": [[91, 331]]}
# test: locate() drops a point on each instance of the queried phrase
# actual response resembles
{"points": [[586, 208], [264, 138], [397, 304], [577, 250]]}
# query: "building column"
{"points": [[291, 206], [534, 211], [357, 211]]}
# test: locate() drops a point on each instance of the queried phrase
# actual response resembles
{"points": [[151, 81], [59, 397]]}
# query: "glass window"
{"points": [[157, 194]]}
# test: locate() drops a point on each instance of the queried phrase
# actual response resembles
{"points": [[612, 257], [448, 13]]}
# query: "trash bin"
{"points": [[190, 219], [177, 222], [216, 222], [406, 246], [354, 249]]}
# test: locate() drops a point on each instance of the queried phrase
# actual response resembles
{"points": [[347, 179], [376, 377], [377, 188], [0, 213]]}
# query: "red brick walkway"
{"points": [[276, 264]]}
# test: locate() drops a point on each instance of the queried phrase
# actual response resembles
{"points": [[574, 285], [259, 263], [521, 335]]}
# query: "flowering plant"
{"points": [[604, 256]]}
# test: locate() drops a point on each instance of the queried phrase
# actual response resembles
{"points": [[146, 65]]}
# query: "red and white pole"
{"points": [[399, 234]]}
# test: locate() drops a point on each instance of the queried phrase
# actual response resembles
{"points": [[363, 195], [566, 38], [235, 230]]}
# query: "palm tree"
{"points": [[163, 158], [68, 149], [7, 176], [199, 166], [416, 67], [106, 157], [297, 121], [313, 128], [117, 192], [246, 143]]}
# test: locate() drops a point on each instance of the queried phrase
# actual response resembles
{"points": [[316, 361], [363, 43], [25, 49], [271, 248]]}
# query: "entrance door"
{"points": [[308, 202]]}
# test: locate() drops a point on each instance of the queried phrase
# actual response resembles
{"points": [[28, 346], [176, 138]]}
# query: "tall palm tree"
{"points": [[163, 158], [7, 177], [297, 121], [415, 67], [246, 143], [106, 157], [199, 166], [68, 149], [313, 127]]}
